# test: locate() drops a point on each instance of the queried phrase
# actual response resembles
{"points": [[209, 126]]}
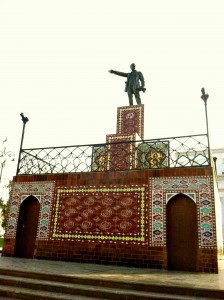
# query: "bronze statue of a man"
{"points": [[134, 84]]}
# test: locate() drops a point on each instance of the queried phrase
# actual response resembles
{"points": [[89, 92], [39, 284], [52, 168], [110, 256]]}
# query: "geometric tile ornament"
{"points": [[43, 191], [98, 158], [152, 155], [120, 152], [199, 189], [130, 120], [101, 214]]}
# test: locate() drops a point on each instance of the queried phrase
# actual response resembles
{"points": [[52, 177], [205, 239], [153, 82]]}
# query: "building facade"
{"points": [[218, 156]]}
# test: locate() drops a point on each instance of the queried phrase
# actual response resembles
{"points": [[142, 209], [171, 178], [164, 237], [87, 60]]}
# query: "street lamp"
{"points": [[25, 120], [204, 97], [4, 156]]}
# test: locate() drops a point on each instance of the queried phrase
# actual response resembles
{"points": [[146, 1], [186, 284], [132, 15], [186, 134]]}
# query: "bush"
{"points": [[1, 242]]}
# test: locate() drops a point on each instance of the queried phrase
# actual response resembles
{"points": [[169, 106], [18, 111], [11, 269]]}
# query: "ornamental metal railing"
{"points": [[174, 152]]}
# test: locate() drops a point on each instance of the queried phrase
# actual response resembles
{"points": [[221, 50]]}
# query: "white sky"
{"points": [[55, 56]]}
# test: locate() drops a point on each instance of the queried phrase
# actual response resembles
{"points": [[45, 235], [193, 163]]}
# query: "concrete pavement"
{"points": [[118, 274]]}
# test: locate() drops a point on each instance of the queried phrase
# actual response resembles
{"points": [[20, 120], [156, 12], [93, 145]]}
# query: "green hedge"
{"points": [[1, 242]]}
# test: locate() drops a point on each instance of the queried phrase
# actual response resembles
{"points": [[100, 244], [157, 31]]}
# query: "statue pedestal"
{"points": [[130, 120], [120, 151]]}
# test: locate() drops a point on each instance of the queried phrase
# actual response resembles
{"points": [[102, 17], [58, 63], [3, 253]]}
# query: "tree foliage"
{"points": [[4, 206], [4, 212]]}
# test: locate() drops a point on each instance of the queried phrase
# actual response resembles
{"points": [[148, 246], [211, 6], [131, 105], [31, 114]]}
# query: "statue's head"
{"points": [[132, 66]]}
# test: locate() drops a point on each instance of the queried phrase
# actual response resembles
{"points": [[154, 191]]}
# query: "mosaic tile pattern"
{"points": [[101, 214], [158, 218], [153, 155], [130, 119], [98, 159], [43, 191], [120, 156], [200, 189]]}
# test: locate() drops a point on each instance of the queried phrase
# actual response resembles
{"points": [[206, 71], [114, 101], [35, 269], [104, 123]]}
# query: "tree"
{"points": [[4, 212], [4, 206]]}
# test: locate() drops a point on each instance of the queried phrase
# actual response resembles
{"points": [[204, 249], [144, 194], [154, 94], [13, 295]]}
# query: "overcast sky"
{"points": [[55, 56]]}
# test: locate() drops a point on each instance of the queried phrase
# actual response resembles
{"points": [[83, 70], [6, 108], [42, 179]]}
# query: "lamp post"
{"points": [[4, 156], [204, 97], [25, 120]]}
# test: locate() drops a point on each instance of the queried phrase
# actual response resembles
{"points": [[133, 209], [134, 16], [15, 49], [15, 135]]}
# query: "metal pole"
{"points": [[204, 97], [25, 120]]}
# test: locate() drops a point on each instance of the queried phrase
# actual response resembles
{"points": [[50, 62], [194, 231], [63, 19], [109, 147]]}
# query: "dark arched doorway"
{"points": [[182, 237], [27, 227]]}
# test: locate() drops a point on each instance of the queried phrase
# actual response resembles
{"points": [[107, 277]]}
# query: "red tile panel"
{"points": [[120, 155], [130, 120], [103, 214]]}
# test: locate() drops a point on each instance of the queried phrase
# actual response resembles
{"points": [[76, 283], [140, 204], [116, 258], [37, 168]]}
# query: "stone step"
{"points": [[25, 293], [30, 285]]}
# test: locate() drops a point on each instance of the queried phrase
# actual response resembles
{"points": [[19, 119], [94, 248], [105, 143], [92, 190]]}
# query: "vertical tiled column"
{"points": [[120, 152], [130, 124], [130, 120]]}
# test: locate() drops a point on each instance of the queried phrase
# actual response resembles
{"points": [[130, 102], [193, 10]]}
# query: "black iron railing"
{"points": [[174, 152]]}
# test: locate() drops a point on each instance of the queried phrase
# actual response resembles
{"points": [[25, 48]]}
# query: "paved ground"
{"points": [[76, 298], [172, 278]]}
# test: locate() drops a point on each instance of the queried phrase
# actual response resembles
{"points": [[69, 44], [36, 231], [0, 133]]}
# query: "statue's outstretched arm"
{"points": [[119, 73]]}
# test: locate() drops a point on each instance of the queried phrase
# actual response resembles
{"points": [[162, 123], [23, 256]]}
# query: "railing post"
{"points": [[25, 120], [204, 97]]}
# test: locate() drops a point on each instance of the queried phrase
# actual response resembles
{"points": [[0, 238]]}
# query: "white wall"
{"points": [[219, 154]]}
